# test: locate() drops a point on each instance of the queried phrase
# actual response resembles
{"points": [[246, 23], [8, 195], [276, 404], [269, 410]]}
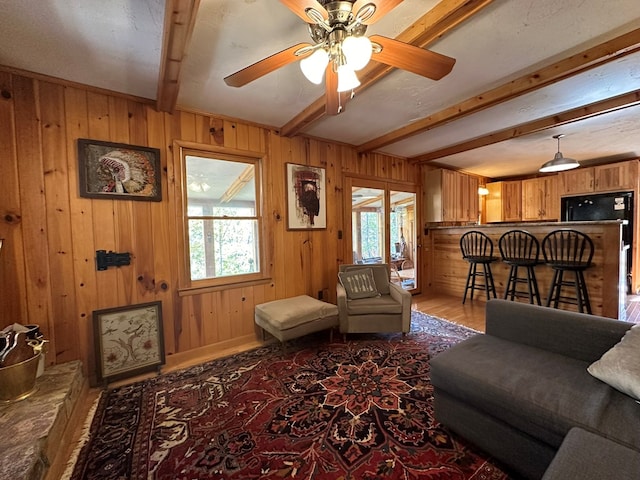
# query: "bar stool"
{"points": [[519, 248], [477, 249], [568, 250]]}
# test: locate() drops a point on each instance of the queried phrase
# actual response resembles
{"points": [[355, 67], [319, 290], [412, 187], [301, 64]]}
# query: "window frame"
{"points": [[187, 286]]}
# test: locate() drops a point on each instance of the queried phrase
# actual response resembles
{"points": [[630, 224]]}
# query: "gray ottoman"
{"points": [[293, 317]]}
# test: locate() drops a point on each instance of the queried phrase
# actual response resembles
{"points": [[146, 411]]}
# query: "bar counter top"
{"points": [[446, 271], [525, 225]]}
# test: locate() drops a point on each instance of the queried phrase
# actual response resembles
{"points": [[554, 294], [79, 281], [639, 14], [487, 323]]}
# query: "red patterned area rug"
{"points": [[355, 410]]}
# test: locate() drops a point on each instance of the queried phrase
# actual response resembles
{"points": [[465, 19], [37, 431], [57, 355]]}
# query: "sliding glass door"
{"points": [[383, 227]]}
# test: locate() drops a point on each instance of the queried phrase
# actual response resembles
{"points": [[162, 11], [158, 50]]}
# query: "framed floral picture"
{"points": [[306, 197], [116, 170], [128, 341]]}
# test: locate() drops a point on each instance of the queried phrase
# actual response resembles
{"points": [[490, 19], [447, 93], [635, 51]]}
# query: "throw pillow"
{"points": [[359, 283], [620, 366]]}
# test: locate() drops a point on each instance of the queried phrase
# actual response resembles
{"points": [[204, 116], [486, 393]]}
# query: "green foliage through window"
{"points": [[223, 225]]}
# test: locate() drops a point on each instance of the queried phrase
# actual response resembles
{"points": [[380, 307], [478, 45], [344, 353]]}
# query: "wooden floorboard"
{"points": [[471, 314]]}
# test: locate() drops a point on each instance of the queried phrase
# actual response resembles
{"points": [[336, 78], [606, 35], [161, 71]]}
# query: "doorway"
{"points": [[383, 227]]}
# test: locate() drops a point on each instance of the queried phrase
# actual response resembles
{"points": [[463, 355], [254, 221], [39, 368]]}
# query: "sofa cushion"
{"points": [[383, 304], [540, 393], [359, 283], [620, 366], [588, 456]]}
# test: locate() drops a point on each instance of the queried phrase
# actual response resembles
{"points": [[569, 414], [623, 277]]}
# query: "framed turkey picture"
{"points": [[306, 197], [118, 171]]}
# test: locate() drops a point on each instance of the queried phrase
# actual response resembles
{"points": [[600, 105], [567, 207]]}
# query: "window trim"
{"points": [[187, 286]]}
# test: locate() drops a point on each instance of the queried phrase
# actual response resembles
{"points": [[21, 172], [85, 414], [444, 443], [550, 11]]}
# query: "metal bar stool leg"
{"points": [[558, 294], [534, 292], [552, 288], [473, 279], [514, 285], [466, 287], [583, 292], [510, 280], [486, 271], [579, 299], [529, 284], [491, 287]]}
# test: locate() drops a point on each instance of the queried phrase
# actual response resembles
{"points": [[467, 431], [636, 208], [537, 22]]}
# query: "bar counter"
{"points": [[446, 271]]}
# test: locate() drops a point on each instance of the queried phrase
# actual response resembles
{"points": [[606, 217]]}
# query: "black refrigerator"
{"points": [[603, 206]]}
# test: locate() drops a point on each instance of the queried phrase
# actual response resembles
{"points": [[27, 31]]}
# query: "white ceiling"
{"points": [[117, 45]]}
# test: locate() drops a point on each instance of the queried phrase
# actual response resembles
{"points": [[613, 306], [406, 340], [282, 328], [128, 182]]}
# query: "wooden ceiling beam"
{"points": [[593, 57], [438, 21], [569, 116], [179, 21], [238, 184]]}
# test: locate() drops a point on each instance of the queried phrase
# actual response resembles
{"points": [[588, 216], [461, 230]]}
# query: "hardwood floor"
{"points": [[471, 314]]}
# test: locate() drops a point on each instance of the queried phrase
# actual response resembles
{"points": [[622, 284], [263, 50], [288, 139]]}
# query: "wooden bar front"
{"points": [[446, 271]]}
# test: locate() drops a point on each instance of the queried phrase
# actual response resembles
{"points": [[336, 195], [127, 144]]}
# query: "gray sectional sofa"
{"points": [[519, 389]]}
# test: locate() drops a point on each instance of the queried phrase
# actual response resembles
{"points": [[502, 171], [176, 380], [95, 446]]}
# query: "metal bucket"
{"points": [[18, 381]]}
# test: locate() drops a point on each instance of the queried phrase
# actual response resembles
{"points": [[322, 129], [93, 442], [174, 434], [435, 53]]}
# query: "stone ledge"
{"points": [[32, 428]]}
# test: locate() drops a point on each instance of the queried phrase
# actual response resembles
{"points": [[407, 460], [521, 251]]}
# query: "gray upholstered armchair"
{"points": [[366, 308]]}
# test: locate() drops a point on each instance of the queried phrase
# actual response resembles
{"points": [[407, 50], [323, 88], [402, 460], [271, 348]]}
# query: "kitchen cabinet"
{"points": [[504, 202], [450, 196], [468, 202], [601, 178], [540, 200], [576, 181], [616, 176]]}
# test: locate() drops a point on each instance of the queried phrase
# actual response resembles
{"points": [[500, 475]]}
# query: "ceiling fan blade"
{"points": [[382, 8], [299, 7], [332, 96], [264, 66], [411, 58]]}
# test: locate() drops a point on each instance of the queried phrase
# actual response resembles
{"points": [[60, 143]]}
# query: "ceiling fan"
{"points": [[340, 48]]}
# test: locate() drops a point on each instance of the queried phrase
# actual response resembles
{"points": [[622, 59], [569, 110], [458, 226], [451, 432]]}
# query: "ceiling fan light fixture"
{"points": [[199, 186], [559, 163], [314, 65], [347, 79], [358, 51]]}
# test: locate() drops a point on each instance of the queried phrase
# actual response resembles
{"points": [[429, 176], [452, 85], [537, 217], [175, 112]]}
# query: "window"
{"points": [[222, 217]]}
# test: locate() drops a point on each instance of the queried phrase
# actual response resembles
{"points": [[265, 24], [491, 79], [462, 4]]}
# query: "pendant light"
{"points": [[559, 163]]}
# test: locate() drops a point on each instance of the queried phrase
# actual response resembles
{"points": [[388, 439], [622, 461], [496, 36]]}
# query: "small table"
{"points": [[397, 262]]}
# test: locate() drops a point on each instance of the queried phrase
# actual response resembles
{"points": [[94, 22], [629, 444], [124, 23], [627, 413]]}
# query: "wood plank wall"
{"points": [[47, 263]]}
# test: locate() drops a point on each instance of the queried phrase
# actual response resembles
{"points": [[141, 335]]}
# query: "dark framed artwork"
{"points": [[116, 170], [306, 197], [128, 341]]}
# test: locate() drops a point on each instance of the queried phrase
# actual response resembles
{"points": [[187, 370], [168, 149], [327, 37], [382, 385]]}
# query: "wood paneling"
{"points": [[47, 263]]}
